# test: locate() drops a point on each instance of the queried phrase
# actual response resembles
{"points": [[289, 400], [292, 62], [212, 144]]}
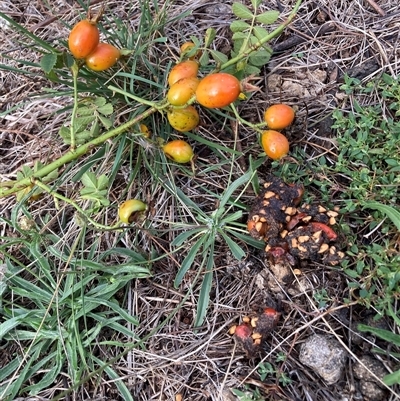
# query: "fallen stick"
{"points": [[296, 39], [376, 7]]}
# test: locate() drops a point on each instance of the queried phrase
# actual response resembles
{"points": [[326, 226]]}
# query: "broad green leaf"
{"points": [[118, 310], [89, 180], [260, 33], [256, 4], [260, 58], [196, 41], [72, 356], [81, 123], [106, 110], [351, 273], [210, 35], [188, 261], [31, 291], [44, 264], [95, 128], [85, 110], [133, 270], [100, 101], [219, 57], [105, 321], [70, 288], [205, 59], [51, 371], [25, 335], [269, 17], [10, 368], [241, 11], [107, 122], [64, 132], [11, 324], [48, 61], [239, 26], [389, 211], [22, 377], [102, 182], [239, 36]]}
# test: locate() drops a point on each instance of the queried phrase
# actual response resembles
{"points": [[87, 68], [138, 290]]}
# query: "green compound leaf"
{"points": [[268, 17], [48, 61], [256, 4], [241, 11], [260, 33], [211, 33], [260, 58], [239, 26]]}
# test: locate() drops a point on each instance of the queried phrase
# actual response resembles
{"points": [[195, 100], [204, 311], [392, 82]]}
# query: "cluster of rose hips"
{"points": [[216, 90], [277, 118], [84, 44]]}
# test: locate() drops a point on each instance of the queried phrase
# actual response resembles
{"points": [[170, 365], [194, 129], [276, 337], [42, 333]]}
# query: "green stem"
{"points": [[265, 39], [75, 153], [255, 127], [75, 72], [132, 96]]}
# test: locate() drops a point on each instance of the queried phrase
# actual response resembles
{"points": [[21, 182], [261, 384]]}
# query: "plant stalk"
{"points": [[74, 154]]}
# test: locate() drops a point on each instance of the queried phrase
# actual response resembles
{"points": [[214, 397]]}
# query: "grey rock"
{"points": [[372, 392], [370, 383], [325, 356], [366, 364]]}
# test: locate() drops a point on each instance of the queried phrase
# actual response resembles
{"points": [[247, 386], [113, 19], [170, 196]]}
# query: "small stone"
{"points": [[372, 392], [366, 364], [325, 356]]}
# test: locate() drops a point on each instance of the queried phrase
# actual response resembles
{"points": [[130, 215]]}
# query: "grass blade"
{"points": [[188, 261], [204, 297], [389, 211], [381, 333]]}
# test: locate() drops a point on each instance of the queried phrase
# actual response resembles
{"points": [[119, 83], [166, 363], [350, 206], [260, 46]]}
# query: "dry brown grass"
{"points": [[203, 364]]}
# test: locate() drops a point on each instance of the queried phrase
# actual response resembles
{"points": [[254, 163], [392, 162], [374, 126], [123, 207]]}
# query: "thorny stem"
{"points": [[73, 154]]}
